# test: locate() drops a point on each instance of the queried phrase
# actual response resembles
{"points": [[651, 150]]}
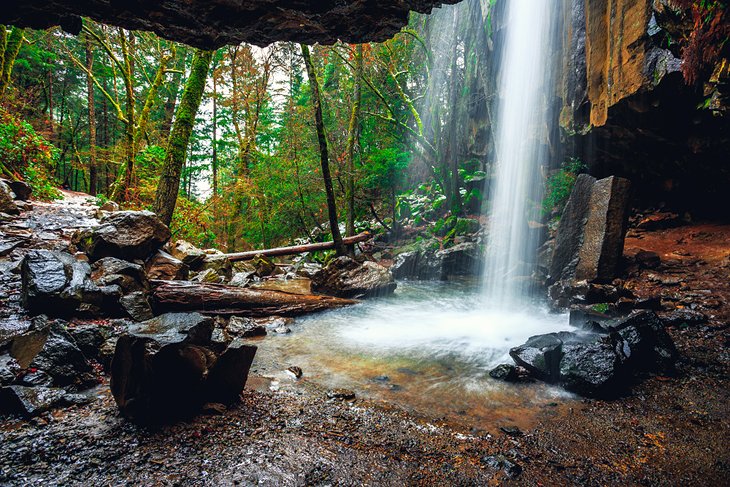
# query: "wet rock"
{"points": [[511, 430], [126, 235], [499, 462], [128, 276], [540, 355], [29, 401], [89, 338], [590, 237], [245, 327], [20, 189], [241, 279], [220, 264], [208, 275], [464, 259], [166, 368], [137, 306], [263, 266], [591, 369], [9, 369], [683, 317], [341, 394], [63, 360], [7, 205], [603, 363], [189, 254], [164, 266], [56, 283], [505, 372], [347, 278]]}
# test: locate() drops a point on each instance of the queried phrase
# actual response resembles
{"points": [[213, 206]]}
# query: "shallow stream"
{"points": [[428, 349]]}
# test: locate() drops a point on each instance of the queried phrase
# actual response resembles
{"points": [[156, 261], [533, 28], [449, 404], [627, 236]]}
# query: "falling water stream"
{"points": [[430, 346]]}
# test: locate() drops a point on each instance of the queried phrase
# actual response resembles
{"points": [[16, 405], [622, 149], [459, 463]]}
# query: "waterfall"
{"points": [[525, 86]]}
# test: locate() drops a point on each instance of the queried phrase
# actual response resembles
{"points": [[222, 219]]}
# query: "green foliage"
{"points": [[192, 222], [600, 308], [559, 185], [24, 153]]}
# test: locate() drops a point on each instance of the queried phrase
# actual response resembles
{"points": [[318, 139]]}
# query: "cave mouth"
{"points": [[209, 24]]}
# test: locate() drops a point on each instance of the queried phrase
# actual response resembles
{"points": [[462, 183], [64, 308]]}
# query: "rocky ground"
{"points": [[671, 430]]}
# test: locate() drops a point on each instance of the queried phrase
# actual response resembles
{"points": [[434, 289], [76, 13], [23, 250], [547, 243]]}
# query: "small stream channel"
{"points": [[428, 348]]}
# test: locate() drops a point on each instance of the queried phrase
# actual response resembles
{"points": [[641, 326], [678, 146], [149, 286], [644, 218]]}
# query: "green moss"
{"points": [[600, 308]]}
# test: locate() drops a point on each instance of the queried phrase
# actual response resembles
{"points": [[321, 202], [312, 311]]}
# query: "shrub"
{"points": [[24, 154], [560, 184]]}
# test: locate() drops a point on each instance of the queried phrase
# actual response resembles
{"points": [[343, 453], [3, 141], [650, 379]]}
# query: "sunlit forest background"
{"points": [[406, 124]]}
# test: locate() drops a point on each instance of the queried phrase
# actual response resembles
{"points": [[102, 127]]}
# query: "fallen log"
{"points": [[168, 296], [295, 249]]}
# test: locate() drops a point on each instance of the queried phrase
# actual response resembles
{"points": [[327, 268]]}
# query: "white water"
{"points": [[521, 139]]}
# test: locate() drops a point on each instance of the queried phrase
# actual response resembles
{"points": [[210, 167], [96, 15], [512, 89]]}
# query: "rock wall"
{"points": [[213, 23]]}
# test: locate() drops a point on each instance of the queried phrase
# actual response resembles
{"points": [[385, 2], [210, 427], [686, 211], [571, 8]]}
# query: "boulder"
{"points": [[604, 362], [505, 372], [137, 306], [128, 276], [220, 264], [9, 369], [208, 275], [263, 266], [21, 189], [7, 205], [164, 266], [189, 254], [89, 338], [423, 264], [126, 235], [464, 259], [56, 283], [245, 327], [590, 236], [63, 360], [167, 368], [347, 278], [109, 206], [29, 401]]}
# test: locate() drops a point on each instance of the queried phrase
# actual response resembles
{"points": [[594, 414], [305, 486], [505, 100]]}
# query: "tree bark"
{"points": [[352, 137], [10, 51], [180, 133], [170, 296], [323, 152], [92, 116], [296, 249]]}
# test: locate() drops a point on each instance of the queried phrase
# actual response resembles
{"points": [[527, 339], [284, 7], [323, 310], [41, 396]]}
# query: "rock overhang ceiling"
{"points": [[211, 24]]}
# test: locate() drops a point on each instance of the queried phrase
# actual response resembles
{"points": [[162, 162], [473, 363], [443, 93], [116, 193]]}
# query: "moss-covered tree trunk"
{"points": [[352, 136], [92, 116], [323, 152], [182, 129], [10, 48]]}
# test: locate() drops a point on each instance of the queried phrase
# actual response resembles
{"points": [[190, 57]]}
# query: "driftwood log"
{"points": [[295, 249], [220, 299]]}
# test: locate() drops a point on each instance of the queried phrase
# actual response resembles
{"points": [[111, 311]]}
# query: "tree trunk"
{"points": [[221, 299], [92, 117], [296, 249], [180, 133], [214, 164], [351, 141], [10, 51], [323, 152]]}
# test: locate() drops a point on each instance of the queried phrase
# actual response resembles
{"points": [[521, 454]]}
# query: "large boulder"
{"points": [[590, 237], [464, 259], [62, 359], [601, 362], [421, 264], [347, 278], [56, 283], [126, 235], [20, 189], [29, 401], [166, 368]]}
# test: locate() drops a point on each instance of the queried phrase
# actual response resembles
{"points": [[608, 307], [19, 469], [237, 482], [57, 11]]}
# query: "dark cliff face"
{"points": [[213, 23], [628, 111]]}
